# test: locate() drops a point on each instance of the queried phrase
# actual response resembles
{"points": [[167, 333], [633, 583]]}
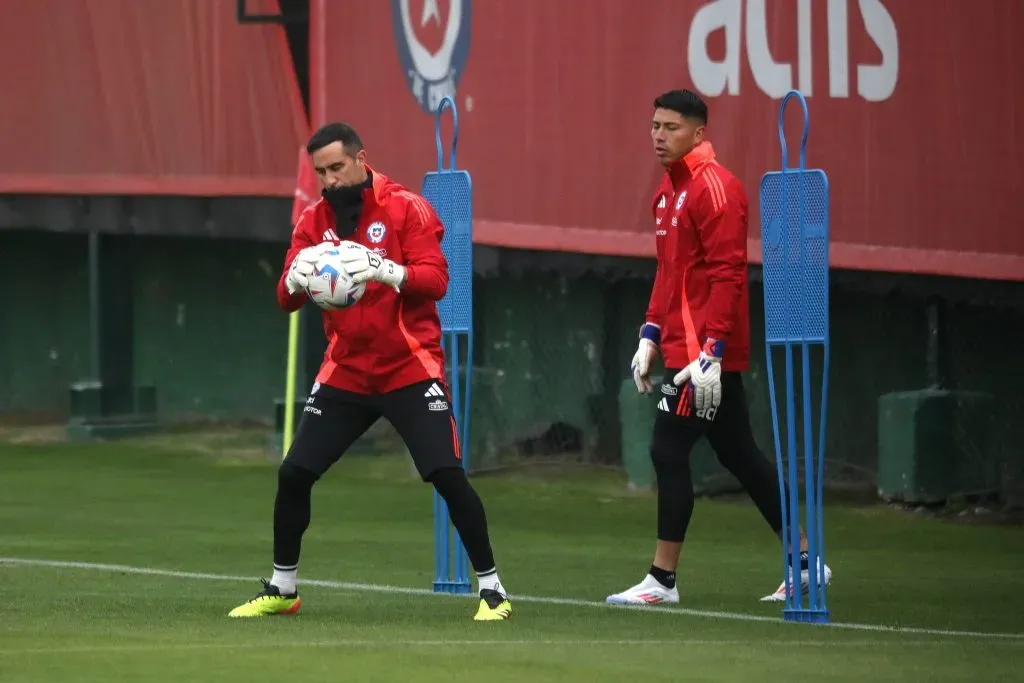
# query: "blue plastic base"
{"points": [[806, 616], [453, 587]]}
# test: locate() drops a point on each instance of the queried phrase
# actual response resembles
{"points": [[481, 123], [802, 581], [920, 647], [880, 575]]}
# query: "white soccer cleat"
{"points": [[805, 577], [647, 592]]}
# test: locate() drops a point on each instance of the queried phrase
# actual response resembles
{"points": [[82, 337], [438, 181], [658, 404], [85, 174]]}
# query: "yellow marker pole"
{"points": [[289, 387]]}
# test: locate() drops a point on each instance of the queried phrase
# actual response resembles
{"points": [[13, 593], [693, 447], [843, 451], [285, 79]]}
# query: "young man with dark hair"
{"points": [[698, 318], [383, 359]]}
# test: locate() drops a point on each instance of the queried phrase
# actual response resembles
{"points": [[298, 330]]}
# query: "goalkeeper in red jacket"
{"points": [[698, 318], [383, 359]]}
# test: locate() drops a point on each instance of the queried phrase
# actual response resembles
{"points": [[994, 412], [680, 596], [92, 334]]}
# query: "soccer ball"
{"points": [[330, 286]]}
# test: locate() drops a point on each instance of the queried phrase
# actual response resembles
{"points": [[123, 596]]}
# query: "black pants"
{"points": [[334, 419], [677, 428]]}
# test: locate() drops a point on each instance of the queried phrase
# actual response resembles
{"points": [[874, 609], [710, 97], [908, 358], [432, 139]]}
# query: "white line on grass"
{"points": [[434, 644], [382, 588]]}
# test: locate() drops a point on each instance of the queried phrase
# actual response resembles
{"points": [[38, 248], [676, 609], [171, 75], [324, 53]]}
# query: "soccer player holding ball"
{"points": [[698, 318], [383, 359]]}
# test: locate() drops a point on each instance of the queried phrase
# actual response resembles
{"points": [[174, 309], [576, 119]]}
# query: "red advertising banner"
{"points": [[912, 113], [170, 97]]}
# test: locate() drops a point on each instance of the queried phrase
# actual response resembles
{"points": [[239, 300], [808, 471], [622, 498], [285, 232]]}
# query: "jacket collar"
{"points": [[379, 181], [691, 164]]}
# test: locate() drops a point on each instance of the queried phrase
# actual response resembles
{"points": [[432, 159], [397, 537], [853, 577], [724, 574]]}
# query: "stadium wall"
{"points": [[553, 343], [208, 333]]}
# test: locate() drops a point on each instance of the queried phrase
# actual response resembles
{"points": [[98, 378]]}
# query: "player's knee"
{"points": [[449, 481], [291, 477]]}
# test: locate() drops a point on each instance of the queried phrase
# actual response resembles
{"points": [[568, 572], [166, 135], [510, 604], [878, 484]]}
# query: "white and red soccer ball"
{"points": [[330, 286]]}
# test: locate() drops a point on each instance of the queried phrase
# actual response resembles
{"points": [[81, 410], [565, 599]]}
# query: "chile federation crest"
{"points": [[433, 46]]}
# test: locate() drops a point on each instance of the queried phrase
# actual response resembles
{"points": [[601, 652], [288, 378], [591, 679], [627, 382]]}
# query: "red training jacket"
{"points": [[700, 289], [387, 340]]}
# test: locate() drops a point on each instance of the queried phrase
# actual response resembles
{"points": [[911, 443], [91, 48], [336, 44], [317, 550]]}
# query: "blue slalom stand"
{"points": [[795, 245], [450, 193]]}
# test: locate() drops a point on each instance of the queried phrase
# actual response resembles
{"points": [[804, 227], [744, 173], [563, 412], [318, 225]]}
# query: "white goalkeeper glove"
{"points": [[650, 337], [705, 375], [364, 265], [302, 267]]}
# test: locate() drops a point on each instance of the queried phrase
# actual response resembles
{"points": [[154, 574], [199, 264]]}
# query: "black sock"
{"points": [[663, 576], [467, 514], [291, 512]]}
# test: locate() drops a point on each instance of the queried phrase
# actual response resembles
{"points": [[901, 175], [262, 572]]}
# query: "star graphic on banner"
{"points": [[430, 9]]}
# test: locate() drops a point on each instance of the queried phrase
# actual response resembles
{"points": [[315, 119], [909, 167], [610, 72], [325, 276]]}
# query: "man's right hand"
{"points": [[644, 357], [302, 267]]}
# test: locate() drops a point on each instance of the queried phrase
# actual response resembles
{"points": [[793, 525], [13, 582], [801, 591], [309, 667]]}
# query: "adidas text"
{"points": [[708, 414]]}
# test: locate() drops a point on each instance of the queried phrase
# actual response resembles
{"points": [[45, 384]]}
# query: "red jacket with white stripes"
{"points": [[388, 340], [700, 289]]}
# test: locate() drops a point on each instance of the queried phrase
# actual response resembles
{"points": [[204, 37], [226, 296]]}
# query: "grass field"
{"points": [[187, 520]]}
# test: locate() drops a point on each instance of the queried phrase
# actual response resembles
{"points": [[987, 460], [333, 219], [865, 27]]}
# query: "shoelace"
{"points": [[268, 591], [492, 598]]}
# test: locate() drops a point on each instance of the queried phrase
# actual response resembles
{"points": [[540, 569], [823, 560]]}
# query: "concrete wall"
{"points": [[549, 348]]}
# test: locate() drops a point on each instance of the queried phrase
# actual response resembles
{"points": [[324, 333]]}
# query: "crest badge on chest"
{"points": [[375, 232]]}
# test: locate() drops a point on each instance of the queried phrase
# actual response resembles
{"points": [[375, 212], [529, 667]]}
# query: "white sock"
{"points": [[285, 580], [488, 580]]}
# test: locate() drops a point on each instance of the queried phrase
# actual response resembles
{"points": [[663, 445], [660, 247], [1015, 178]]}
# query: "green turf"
{"points": [[204, 505]]}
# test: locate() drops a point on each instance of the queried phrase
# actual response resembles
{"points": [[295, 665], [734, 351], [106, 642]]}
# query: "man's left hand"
{"points": [[705, 374], [364, 265]]}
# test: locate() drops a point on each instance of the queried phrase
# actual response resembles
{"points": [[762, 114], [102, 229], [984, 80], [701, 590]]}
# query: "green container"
{"points": [[934, 445], [636, 414]]}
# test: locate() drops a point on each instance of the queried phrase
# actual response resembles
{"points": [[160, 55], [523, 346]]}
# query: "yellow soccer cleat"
{"points": [[493, 607], [268, 602]]}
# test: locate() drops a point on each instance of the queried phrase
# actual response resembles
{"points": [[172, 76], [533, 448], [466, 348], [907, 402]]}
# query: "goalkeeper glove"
{"points": [[364, 265], [302, 267], [650, 337], [705, 375]]}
